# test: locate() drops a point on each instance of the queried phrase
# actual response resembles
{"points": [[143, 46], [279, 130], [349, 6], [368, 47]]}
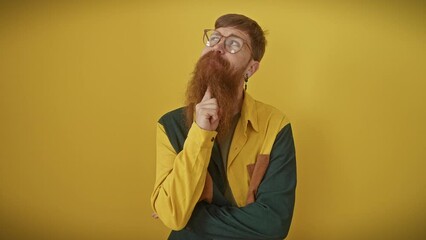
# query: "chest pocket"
{"points": [[257, 170]]}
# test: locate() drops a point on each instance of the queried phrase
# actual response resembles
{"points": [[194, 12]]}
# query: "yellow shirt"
{"points": [[184, 156]]}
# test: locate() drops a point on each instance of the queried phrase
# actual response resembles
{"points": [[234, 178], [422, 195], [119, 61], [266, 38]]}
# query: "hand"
{"points": [[207, 112]]}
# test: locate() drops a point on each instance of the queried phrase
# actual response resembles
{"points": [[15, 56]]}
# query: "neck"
{"points": [[239, 105]]}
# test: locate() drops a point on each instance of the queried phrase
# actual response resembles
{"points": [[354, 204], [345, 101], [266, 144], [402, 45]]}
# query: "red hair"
{"points": [[249, 26]]}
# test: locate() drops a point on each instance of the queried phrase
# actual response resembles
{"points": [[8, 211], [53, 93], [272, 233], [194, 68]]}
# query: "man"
{"points": [[225, 163]]}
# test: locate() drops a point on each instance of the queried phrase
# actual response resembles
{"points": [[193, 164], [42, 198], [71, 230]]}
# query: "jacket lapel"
{"points": [[237, 142]]}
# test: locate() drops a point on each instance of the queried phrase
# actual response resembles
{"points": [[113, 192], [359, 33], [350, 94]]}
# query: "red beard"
{"points": [[213, 71]]}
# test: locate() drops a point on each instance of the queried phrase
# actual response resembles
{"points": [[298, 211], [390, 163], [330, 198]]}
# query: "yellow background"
{"points": [[82, 85]]}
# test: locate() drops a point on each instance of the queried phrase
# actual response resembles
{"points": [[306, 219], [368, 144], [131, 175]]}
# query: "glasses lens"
{"points": [[233, 44], [211, 38]]}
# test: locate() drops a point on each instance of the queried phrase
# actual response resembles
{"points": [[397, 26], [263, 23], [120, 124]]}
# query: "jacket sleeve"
{"points": [[180, 177], [269, 217]]}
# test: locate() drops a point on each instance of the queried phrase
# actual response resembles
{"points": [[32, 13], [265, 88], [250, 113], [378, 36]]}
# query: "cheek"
{"points": [[235, 61], [204, 51]]}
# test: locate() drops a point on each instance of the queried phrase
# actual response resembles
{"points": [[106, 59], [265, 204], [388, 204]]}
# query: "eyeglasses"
{"points": [[233, 44]]}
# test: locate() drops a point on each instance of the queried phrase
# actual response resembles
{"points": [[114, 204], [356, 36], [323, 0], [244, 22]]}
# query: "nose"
{"points": [[219, 47]]}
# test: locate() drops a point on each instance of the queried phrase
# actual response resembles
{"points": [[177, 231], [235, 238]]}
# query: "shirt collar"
{"points": [[249, 113]]}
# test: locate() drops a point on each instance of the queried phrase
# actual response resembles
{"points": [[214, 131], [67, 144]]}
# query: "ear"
{"points": [[252, 67]]}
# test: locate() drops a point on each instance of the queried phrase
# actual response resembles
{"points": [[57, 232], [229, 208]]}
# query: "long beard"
{"points": [[215, 72]]}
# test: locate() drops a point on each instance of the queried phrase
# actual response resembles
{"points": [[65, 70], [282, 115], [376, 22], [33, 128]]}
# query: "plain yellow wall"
{"points": [[82, 85]]}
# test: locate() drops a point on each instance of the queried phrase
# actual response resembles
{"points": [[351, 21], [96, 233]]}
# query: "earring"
{"points": [[245, 81]]}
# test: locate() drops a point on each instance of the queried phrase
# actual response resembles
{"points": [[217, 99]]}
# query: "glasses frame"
{"points": [[225, 37]]}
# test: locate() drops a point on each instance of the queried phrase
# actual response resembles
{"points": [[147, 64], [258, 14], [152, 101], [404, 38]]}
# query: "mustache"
{"points": [[214, 61]]}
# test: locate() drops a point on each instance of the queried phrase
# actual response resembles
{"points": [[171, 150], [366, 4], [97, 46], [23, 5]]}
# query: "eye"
{"points": [[235, 44], [214, 38]]}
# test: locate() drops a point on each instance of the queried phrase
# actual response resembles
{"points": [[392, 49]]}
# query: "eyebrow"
{"points": [[230, 35]]}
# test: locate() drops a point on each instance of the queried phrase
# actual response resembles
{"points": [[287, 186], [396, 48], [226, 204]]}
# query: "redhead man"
{"points": [[226, 166]]}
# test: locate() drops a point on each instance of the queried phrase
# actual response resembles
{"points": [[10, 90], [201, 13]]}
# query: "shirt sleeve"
{"points": [[269, 217], [180, 177]]}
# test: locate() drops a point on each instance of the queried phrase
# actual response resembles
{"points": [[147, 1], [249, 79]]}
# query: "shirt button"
{"points": [[212, 139]]}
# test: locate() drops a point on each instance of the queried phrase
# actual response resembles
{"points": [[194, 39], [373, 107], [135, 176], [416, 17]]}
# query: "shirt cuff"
{"points": [[204, 138]]}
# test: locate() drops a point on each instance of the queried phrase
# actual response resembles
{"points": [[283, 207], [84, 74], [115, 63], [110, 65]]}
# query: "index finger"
{"points": [[207, 95]]}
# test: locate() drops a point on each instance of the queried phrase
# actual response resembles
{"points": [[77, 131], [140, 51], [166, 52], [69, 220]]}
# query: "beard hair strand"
{"points": [[213, 71]]}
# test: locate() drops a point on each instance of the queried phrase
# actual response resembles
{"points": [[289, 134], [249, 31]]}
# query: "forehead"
{"points": [[227, 31]]}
